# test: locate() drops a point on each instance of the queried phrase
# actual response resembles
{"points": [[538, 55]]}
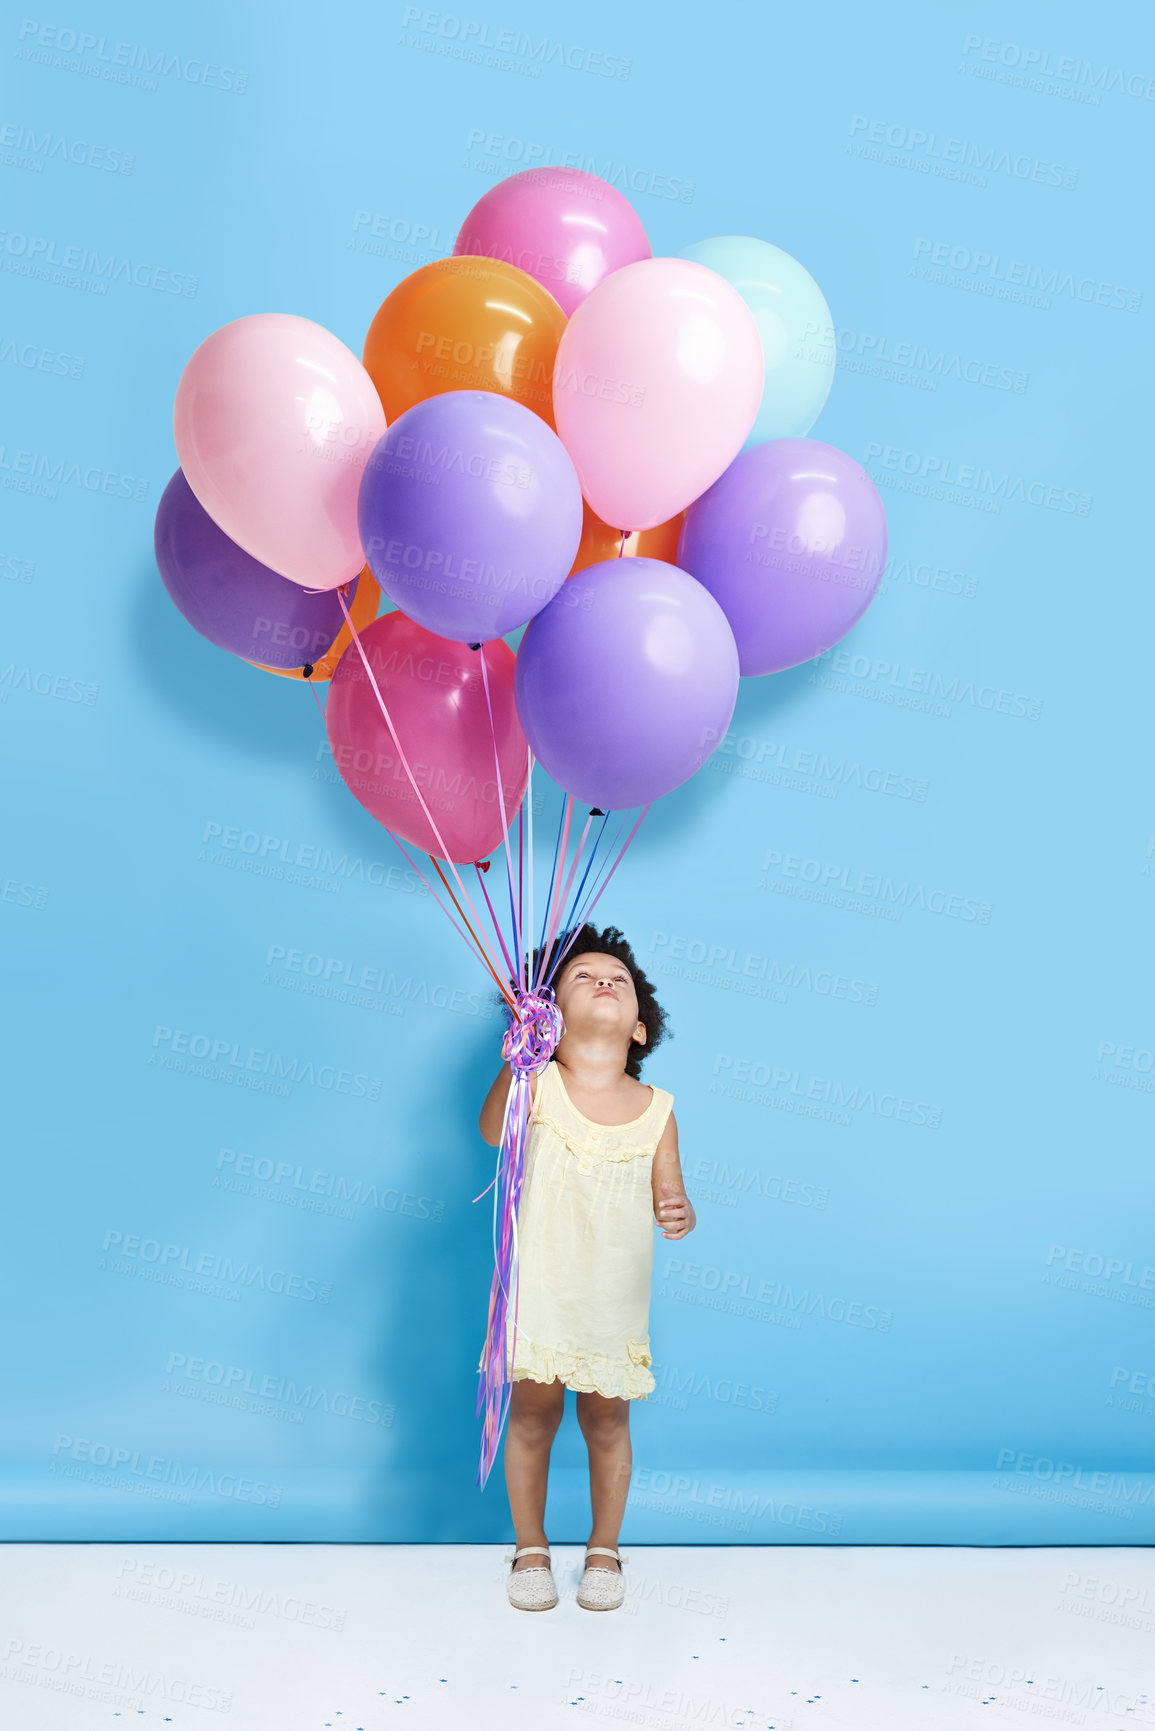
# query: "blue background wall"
{"points": [[919, 873]]}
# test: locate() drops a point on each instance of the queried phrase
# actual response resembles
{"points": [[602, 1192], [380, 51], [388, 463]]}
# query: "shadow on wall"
{"points": [[434, 1296], [762, 704], [217, 695]]}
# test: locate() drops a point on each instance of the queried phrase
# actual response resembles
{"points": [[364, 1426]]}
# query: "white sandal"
{"points": [[530, 1589], [602, 1589]]}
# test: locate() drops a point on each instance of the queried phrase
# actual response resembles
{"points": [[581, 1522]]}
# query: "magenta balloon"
{"points": [[626, 682], [791, 540], [435, 695], [563, 227]]}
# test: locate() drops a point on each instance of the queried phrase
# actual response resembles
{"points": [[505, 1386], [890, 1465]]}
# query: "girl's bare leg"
{"points": [[605, 1424], [535, 1411]]}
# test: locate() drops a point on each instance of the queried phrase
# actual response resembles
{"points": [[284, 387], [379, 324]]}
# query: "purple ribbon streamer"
{"points": [[530, 1041]]}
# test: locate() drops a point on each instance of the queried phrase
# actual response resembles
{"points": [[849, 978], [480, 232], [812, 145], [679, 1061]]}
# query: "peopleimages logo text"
{"points": [[499, 153], [37, 471], [42, 147], [101, 57], [1015, 273], [131, 1251], [1041, 62], [878, 674], [262, 1063], [831, 877], [987, 159], [474, 33], [1140, 1489], [38, 253], [946, 472], [826, 1090], [119, 1458]]}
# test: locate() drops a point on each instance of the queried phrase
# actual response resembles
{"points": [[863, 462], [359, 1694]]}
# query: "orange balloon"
{"points": [[600, 542], [362, 611], [465, 324]]}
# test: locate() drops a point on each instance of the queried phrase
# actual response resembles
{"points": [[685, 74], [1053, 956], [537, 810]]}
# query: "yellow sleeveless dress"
{"points": [[586, 1247]]}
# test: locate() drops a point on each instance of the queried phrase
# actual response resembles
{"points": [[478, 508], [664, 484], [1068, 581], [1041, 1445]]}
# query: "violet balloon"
{"points": [[565, 228], [626, 682], [791, 540], [230, 597], [470, 514]]}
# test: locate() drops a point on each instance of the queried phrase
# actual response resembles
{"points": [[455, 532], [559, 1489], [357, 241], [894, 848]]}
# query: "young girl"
{"points": [[601, 1164]]}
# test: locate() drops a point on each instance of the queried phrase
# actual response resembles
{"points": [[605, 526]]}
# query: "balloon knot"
{"points": [[535, 1027], [307, 670], [483, 865], [475, 646]]}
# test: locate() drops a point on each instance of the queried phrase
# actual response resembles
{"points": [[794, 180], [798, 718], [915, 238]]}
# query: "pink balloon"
{"points": [[565, 228], [274, 422], [433, 689], [657, 382]]}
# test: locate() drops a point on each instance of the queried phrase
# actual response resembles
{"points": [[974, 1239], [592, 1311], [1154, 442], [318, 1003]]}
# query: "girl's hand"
{"points": [[676, 1214]]}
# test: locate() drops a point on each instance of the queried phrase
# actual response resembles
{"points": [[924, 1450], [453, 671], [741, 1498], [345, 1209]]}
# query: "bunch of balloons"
{"points": [[551, 429]]}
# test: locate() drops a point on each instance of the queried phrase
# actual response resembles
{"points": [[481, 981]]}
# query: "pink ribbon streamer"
{"points": [[491, 959]]}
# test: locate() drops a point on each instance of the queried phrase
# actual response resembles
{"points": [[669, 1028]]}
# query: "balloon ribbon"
{"points": [[535, 1023]]}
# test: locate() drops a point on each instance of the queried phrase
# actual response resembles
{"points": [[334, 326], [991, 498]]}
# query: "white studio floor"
{"points": [[356, 1637]]}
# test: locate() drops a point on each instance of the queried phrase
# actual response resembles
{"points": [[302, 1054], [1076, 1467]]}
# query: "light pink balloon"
{"points": [[657, 383], [274, 422], [563, 227]]}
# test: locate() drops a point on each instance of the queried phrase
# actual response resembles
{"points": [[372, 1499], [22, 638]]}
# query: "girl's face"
{"points": [[595, 993]]}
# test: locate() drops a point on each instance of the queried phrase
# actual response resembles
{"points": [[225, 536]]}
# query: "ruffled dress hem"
{"points": [[589, 1372]]}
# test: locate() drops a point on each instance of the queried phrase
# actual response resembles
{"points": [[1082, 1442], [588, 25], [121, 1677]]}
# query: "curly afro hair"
{"points": [[611, 942]]}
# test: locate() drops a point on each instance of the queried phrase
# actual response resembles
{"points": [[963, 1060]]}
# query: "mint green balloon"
{"points": [[794, 323]]}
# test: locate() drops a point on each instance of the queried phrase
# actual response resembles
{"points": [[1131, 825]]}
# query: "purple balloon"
{"points": [[230, 597], [470, 514], [626, 682], [791, 540]]}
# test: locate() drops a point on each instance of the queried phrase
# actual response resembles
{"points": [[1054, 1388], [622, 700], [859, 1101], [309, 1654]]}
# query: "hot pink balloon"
{"points": [[274, 422], [565, 228], [657, 383], [435, 694]]}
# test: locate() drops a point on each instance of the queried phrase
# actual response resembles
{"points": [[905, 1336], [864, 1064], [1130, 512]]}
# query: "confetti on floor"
{"points": [[837, 1638]]}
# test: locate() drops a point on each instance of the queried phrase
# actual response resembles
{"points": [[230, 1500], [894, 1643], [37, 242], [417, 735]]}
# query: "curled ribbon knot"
{"points": [[530, 1041]]}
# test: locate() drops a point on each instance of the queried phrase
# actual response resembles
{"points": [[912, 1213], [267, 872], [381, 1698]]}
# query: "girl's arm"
{"points": [[672, 1207], [493, 1112]]}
